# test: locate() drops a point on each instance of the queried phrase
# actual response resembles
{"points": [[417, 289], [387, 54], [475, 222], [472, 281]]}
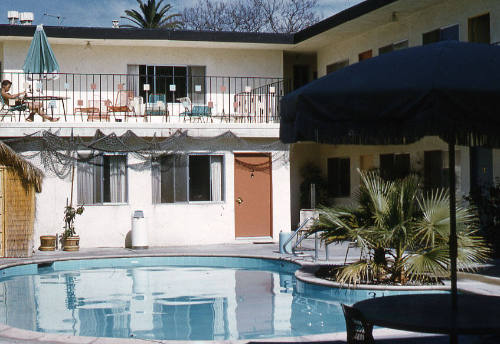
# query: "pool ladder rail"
{"points": [[296, 251]]}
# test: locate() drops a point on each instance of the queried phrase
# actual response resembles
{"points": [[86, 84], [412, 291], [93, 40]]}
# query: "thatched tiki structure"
{"points": [[19, 181]]}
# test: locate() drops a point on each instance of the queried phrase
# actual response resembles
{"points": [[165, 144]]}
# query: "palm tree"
{"points": [[153, 16], [404, 231]]}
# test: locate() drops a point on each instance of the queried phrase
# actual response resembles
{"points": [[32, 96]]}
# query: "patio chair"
{"points": [[157, 105], [199, 112], [94, 110], [7, 110], [122, 103], [359, 331]]}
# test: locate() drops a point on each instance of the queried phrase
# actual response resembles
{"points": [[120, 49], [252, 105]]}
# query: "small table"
{"points": [[48, 98], [431, 313]]}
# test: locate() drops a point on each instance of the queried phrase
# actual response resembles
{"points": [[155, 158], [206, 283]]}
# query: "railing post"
{"points": [[316, 246]]}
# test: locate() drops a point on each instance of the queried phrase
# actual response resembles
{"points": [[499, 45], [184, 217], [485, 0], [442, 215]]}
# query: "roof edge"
{"points": [[339, 18]]}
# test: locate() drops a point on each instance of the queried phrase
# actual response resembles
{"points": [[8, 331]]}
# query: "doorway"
{"points": [[253, 195]]}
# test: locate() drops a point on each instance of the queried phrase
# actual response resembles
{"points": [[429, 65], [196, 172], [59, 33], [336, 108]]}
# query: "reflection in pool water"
{"points": [[183, 298]]}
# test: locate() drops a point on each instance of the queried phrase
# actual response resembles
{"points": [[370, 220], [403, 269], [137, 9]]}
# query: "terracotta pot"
{"points": [[47, 243], [71, 243]]}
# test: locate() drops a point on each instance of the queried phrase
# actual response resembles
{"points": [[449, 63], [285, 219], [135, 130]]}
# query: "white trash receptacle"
{"points": [[284, 236], [139, 232]]}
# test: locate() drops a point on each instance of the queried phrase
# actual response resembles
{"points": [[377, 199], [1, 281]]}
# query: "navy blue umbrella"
{"points": [[449, 89]]}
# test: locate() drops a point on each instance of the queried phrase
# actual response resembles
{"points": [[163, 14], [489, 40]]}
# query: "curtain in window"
{"points": [[133, 79], [117, 179], [85, 183], [216, 177], [156, 182]]}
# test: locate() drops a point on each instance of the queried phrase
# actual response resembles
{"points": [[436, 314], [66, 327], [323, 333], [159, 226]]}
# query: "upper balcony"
{"points": [[141, 99]]}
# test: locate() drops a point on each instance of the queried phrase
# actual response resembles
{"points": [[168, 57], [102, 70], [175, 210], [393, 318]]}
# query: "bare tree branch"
{"points": [[280, 16]]}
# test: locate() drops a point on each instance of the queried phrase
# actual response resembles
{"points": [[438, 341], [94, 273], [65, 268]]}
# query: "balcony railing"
{"points": [[75, 97]]}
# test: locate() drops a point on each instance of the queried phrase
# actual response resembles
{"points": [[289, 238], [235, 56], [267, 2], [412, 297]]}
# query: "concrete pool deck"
{"points": [[487, 284]]}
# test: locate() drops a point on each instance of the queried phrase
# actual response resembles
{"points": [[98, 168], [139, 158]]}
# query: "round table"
{"points": [[431, 313]]}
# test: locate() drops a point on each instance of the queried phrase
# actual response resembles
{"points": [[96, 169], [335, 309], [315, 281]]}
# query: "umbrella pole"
{"points": [[453, 241]]}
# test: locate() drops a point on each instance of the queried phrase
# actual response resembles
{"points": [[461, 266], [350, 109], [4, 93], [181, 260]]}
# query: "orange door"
{"points": [[252, 195]]}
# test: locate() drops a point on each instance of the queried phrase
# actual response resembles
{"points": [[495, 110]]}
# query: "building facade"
{"points": [[206, 105]]}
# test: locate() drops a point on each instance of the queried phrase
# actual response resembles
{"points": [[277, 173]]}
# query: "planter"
{"points": [[71, 243], [47, 243]]}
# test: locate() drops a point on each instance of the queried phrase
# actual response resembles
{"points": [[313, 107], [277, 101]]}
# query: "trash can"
{"points": [[139, 232], [283, 238]]}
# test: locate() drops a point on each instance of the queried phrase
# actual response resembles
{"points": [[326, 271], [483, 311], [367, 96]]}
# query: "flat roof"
{"points": [[206, 36]]}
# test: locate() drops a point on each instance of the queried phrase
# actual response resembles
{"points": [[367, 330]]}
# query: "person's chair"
{"points": [[93, 110], [196, 112], [359, 331], [7, 110], [157, 106], [122, 104]]}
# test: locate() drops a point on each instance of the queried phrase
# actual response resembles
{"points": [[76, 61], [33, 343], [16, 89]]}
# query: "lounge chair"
{"points": [[359, 331], [199, 112], [7, 110], [157, 105]]}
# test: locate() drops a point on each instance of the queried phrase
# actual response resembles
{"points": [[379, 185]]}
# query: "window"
{"points": [[365, 55], [188, 178], [393, 47], [339, 177], [103, 180], [433, 170], [173, 81], [479, 29], [394, 166], [449, 33], [336, 66]]}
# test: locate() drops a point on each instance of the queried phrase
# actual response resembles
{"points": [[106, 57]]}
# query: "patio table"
{"points": [[48, 98], [432, 313]]}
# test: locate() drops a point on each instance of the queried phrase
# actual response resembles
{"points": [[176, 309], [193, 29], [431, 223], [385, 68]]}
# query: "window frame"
{"points": [[338, 193], [188, 189], [94, 184], [439, 31], [340, 63]]}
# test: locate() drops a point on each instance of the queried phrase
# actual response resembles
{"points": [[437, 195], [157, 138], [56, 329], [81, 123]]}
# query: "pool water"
{"points": [[176, 298]]}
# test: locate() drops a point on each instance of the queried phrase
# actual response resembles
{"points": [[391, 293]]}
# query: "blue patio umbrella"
{"points": [[40, 59], [448, 89]]}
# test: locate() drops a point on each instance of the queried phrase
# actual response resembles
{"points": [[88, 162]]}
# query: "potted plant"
{"points": [[47, 243], [70, 239]]}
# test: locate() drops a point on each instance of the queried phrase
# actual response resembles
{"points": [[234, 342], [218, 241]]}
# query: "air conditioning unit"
{"points": [[26, 18], [13, 17]]}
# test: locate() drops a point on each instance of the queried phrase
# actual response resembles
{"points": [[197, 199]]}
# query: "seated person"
{"points": [[35, 107]]}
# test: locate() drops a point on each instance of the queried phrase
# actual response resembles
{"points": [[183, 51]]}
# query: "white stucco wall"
{"points": [[167, 224], [114, 59], [354, 152], [410, 27]]}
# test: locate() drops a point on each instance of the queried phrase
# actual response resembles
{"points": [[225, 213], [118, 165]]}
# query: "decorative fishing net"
{"points": [[57, 154]]}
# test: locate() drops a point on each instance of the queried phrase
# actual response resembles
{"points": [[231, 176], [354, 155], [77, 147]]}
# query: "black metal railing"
{"points": [[73, 97]]}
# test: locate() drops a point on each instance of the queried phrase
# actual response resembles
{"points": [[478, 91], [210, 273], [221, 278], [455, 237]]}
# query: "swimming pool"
{"points": [[175, 298]]}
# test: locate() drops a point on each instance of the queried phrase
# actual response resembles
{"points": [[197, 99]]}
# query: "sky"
{"points": [[102, 12]]}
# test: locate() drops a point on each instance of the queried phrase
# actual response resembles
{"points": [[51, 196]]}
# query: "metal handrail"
{"points": [[294, 235]]}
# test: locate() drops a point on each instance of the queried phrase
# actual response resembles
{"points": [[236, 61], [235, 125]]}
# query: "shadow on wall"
{"points": [[128, 239]]}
